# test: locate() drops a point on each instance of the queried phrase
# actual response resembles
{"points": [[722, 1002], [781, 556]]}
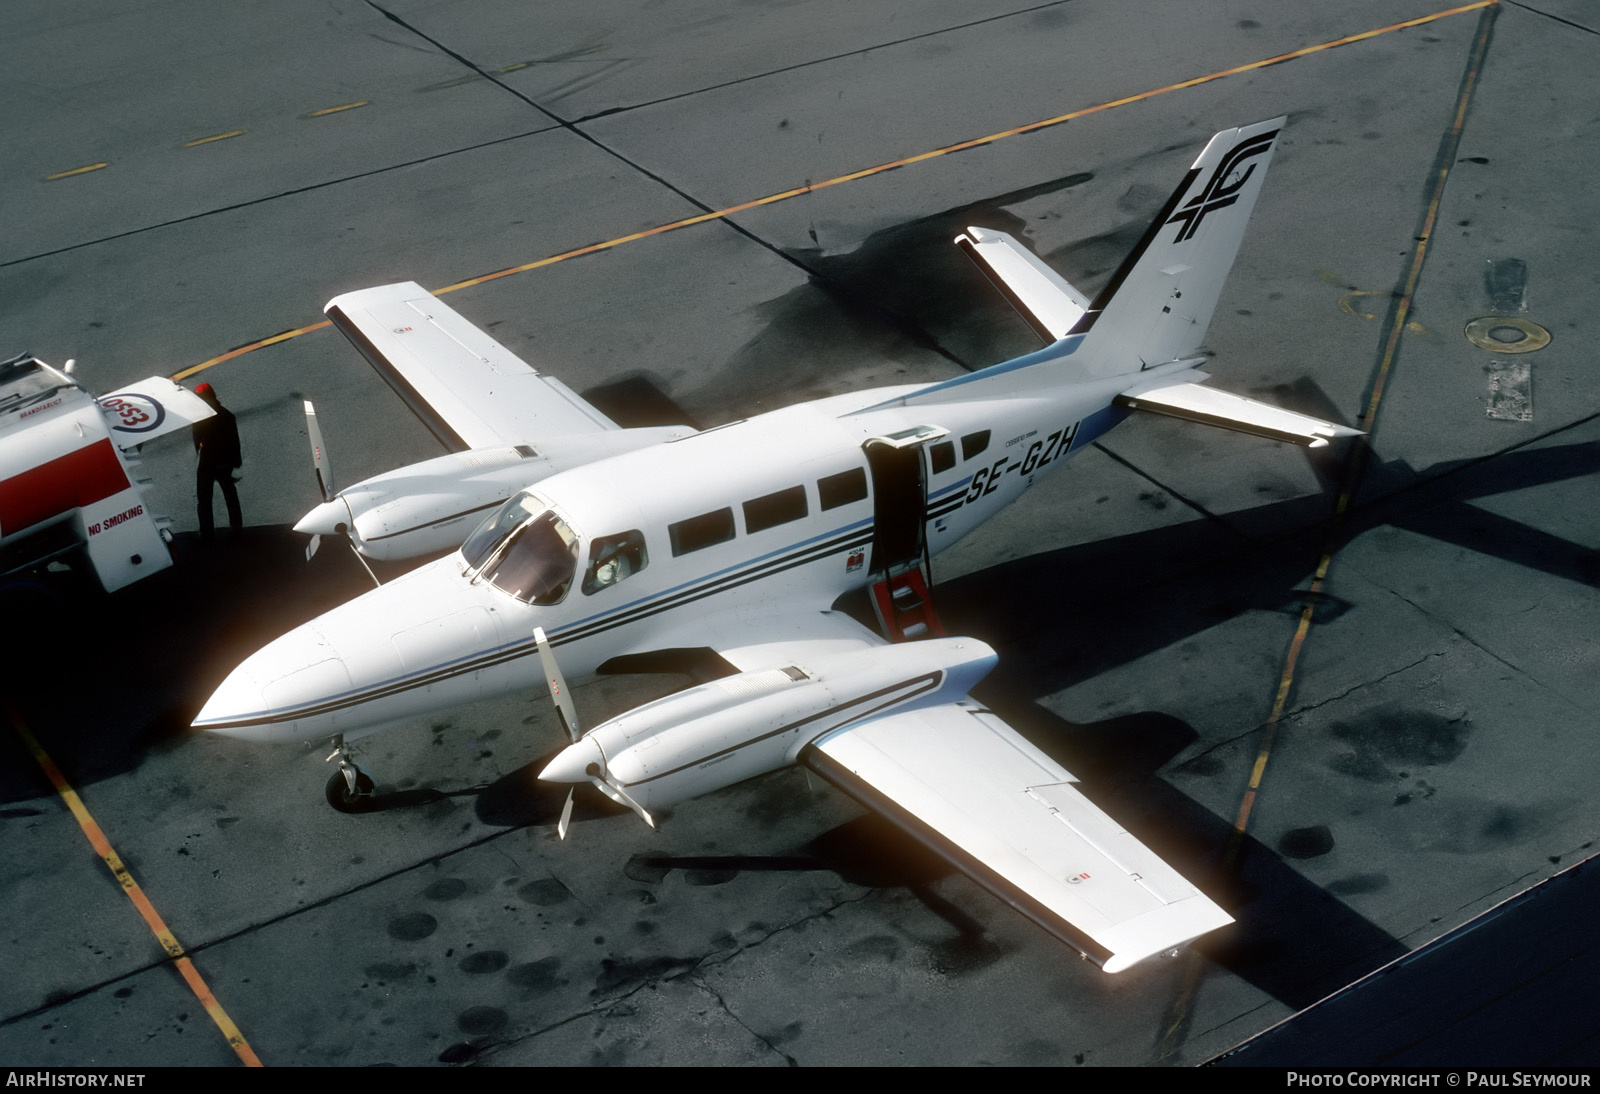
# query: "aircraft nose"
{"points": [[572, 764], [234, 707], [326, 518], [268, 696]]}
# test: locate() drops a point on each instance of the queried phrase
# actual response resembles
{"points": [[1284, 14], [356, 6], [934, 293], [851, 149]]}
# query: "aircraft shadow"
{"points": [[110, 679]]}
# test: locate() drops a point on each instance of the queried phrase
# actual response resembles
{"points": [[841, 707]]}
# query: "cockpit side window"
{"points": [[614, 559], [537, 561]]}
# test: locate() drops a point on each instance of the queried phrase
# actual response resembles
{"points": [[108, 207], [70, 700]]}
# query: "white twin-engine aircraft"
{"points": [[619, 549]]}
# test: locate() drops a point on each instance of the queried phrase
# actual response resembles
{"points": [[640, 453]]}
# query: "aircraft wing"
{"points": [[969, 787], [468, 389], [957, 778]]}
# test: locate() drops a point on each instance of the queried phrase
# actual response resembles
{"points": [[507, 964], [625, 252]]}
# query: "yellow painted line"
{"points": [[1368, 423], [102, 846], [218, 137], [976, 142], [75, 171], [249, 347], [336, 109], [1178, 1015]]}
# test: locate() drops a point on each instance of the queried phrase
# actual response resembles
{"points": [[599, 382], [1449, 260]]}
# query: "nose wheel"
{"points": [[349, 788]]}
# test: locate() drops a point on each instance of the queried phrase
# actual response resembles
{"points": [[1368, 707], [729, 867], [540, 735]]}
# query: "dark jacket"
{"points": [[217, 439]]}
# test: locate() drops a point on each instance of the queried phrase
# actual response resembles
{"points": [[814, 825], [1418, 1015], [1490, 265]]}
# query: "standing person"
{"points": [[216, 439]]}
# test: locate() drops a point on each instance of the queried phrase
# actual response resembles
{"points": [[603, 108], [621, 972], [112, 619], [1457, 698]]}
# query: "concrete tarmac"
{"points": [[1421, 751]]}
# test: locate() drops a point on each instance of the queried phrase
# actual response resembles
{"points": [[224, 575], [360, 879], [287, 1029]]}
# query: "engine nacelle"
{"points": [[430, 507], [740, 726]]}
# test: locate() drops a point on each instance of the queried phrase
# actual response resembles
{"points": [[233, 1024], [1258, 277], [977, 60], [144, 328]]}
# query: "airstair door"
{"points": [[898, 466], [899, 505]]}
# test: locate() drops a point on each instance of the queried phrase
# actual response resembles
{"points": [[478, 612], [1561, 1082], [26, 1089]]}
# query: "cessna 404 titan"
{"points": [[618, 545]]}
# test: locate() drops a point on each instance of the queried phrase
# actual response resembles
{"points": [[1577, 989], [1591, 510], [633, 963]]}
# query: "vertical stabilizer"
{"points": [[1155, 309], [1157, 306]]}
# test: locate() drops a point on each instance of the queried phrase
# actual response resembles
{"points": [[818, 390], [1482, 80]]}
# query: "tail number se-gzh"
{"points": [[986, 479]]}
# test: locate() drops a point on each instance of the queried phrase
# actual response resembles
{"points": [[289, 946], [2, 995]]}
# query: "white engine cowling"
{"points": [[740, 726], [430, 507]]}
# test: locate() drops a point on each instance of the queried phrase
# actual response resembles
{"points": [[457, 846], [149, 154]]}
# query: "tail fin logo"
{"points": [[1222, 188]]}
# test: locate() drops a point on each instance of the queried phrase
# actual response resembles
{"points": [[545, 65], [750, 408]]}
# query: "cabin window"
{"points": [[698, 533], [842, 489], [771, 510], [942, 455], [614, 559], [536, 562], [974, 443]]}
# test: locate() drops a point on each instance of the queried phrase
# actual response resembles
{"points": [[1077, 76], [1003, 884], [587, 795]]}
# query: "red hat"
{"points": [[203, 389]]}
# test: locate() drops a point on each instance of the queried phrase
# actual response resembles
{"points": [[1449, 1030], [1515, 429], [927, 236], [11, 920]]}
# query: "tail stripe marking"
{"points": [[1221, 190]]}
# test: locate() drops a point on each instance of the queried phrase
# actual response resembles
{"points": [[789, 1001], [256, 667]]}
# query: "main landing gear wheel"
{"points": [[348, 798]]}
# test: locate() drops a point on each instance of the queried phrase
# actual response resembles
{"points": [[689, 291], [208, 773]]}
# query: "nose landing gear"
{"points": [[349, 788]]}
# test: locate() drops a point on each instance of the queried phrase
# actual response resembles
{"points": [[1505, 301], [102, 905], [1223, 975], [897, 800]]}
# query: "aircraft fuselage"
{"points": [[787, 505]]}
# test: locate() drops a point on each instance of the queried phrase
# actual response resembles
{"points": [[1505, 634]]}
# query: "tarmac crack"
{"points": [[1307, 708], [819, 61], [914, 331], [1554, 18], [1480, 646], [265, 198], [1513, 887], [689, 974], [1179, 495], [726, 1009]]}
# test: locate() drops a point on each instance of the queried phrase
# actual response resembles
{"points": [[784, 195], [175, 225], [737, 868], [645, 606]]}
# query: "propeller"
{"points": [[323, 469], [576, 761], [319, 454]]}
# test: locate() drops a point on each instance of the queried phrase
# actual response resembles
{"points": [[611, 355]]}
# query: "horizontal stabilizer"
{"points": [[468, 389], [1180, 396], [1051, 306]]}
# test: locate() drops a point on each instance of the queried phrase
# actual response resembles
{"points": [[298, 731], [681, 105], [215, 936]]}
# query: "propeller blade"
{"points": [[357, 552], [319, 454], [621, 797], [558, 686], [311, 548], [566, 815]]}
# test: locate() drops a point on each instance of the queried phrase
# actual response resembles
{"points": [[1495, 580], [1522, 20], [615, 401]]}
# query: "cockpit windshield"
{"points": [[535, 561], [488, 535]]}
